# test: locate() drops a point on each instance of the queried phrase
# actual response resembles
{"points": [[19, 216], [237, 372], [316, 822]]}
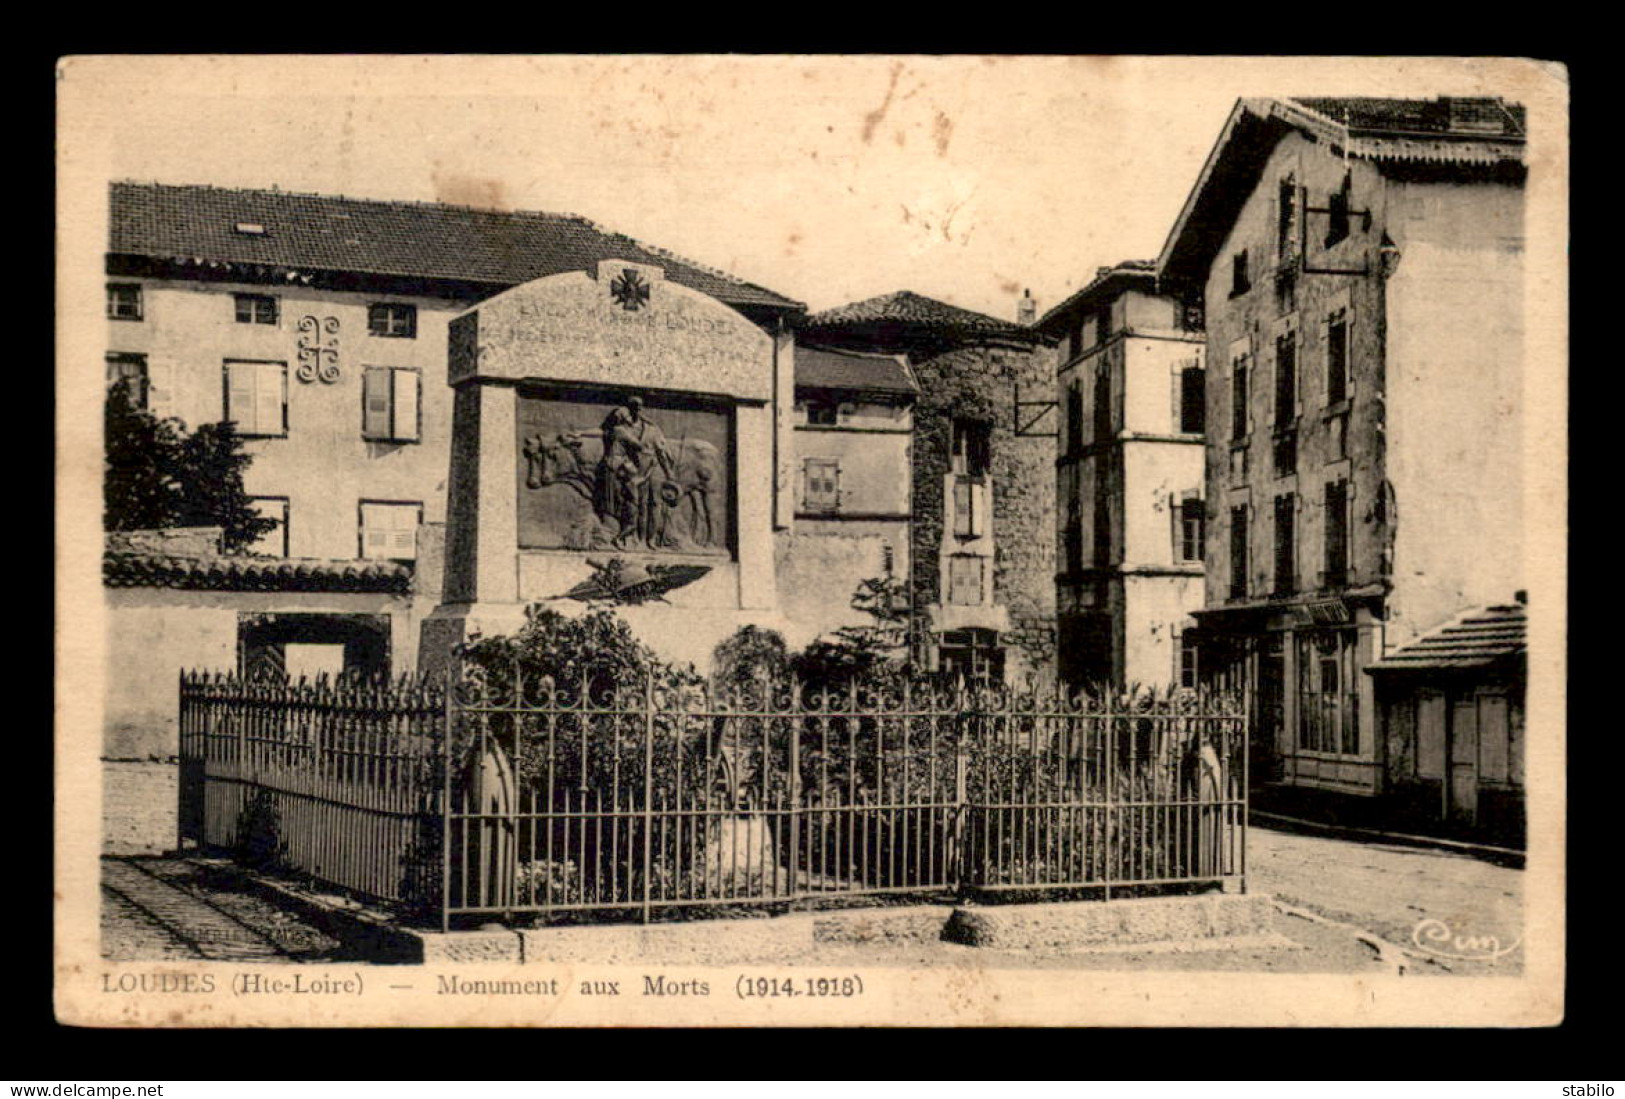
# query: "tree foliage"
{"points": [[160, 475]]}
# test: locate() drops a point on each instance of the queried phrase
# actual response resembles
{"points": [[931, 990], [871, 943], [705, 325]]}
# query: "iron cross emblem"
{"points": [[629, 290]]}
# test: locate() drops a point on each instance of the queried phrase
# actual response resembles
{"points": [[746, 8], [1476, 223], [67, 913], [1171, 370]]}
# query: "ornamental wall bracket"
{"points": [[318, 350]]}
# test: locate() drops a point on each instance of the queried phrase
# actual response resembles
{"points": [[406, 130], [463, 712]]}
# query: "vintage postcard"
{"points": [[811, 540]]}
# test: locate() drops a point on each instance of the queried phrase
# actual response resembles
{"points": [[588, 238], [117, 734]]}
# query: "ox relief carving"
{"points": [[617, 475]]}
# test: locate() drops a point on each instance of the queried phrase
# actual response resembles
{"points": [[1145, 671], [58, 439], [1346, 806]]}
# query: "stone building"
{"points": [[1128, 481], [854, 436], [321, 327], [982, 550], [1360, 266]]}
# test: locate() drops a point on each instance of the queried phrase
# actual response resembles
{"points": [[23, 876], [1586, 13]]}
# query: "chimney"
{"points": [[1026, 308]]}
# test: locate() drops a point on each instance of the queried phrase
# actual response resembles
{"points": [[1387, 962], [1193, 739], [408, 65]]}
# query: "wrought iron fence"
{"points": [[507, 797], [340, 780]]}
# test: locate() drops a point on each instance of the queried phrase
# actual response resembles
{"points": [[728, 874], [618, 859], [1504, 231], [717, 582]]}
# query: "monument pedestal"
{"points": [[452, 624], [603, 415]]}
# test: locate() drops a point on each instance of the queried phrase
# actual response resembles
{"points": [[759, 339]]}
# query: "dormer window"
{"points": [[250, 228]]}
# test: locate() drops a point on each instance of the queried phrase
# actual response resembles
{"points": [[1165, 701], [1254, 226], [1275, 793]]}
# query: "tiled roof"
{"points": [[827, 368], [1127, 273], [153, 570], [1459, 116], [908, 309], [1473, 640], [401, 239]]}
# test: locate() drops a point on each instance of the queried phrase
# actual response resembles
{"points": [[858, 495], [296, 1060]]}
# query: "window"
{"points": [[972, 655], [1284, 452], [825, 413], [1103, 402], [822, 491], [1328, 701], [966, 579], [1286, 380], [1074, 338], [1188, 652], [1337, 357], [1074, 419], [1192, 399], [131, 369], [1238, 398], [972, 447], [1101, 526], [390, 407], [1337, 224], [124, 301], [1238, 553], [1240, 280], [389, 531], [391, 319], [1337, 533], [970, 459], [1286, 513], [256, 309], [1103, 324], [274, 542], [257, 397], [1191, 516], [1287, 220]]}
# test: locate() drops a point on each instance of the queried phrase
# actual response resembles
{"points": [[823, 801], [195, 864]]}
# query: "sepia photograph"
{"points": [[811, 540]]}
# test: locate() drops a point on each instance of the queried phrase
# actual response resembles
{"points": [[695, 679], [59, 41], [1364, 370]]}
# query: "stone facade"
{"points": [[982, 495], [1364, 361], [977, 385]]}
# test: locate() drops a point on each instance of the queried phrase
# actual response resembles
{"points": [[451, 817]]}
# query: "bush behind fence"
{"points": [[495, 796]]}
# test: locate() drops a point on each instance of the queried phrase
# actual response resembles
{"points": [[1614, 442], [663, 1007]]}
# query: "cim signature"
{"points": [[1436, 937]]}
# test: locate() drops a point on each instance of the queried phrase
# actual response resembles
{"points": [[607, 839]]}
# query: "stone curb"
{"points": [[1074, 926], [1062, 926]]}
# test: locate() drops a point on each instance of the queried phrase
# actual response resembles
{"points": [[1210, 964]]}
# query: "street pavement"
{"points": [[1431, 903], [1341, 896]]}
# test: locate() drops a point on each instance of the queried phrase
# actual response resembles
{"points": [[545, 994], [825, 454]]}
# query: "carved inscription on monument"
{"points": [[646, 475]]}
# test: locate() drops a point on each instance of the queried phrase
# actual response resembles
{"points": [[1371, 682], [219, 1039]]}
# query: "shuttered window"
{"points": [[257, 397], [822, 490], [389, 531], [1238, 553], [966, 576], [390, 404]]}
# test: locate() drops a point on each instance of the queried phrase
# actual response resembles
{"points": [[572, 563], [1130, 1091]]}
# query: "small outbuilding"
{"points": [[1450, 712]]}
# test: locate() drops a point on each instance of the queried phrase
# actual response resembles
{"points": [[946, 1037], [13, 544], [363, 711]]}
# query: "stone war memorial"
{"points": [[605, 415]]}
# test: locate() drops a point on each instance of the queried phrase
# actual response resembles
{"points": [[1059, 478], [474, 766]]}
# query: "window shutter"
{"points": [[403, 541], [406, 404], [240, 397], [375, 401], [268, 398]]}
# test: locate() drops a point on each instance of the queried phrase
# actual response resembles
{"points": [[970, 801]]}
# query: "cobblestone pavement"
{"points": [[157, 908], [1400, 894]]}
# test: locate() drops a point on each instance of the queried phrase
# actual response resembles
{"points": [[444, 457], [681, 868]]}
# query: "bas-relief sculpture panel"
{"points": [[648, 475]]}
